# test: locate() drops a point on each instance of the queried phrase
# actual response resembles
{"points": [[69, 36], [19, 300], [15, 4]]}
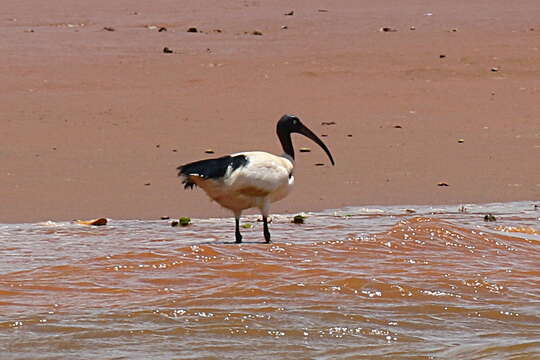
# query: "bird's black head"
{"points": [[288, 123], [291, 124]]}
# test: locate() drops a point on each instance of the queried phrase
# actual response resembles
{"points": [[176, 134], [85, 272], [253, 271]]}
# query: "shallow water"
{"points": [[355, 283]]}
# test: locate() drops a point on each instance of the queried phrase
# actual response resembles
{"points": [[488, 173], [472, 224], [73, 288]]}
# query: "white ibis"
{"points": [[250, 179]]}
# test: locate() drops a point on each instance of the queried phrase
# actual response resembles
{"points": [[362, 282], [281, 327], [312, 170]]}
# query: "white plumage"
{"points": [[252, 179]]}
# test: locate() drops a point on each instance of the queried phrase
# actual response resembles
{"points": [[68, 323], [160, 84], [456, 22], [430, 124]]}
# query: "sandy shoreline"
{"points": [[94, 122]]}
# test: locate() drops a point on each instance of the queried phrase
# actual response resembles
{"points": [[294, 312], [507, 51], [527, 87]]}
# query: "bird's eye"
{"points": [[295, 121]]}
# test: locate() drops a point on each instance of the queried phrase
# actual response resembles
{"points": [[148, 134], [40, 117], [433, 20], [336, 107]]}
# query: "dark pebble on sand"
{"points": [[166, 50], [192, 29], [442, 56]]}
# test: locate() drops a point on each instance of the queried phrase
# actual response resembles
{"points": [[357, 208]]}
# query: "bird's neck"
{"points": [[286, 144]]}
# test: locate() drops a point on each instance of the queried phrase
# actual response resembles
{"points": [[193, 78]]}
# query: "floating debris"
{"points": [[322, 10], [397, 127], [412, 28], [108, 28], [247, 226], [93, 222], [387, 29], [209, 151], [162, 29], [490, 217], [165, 218], [461, 141], [304, 149], [410, 211], [299, 219], [328, 123], [256, 32], [495, 69], [217, 31], [147, 184], [152, 27], [289, 13], [192, 29], [284, 27], [175, 223], [442, 184], [319, 164], [349, 135], [166, 50], [442, 56], [184, 221]]}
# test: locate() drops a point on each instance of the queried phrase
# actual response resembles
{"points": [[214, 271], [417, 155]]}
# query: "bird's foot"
{"points": [[238, 239]]}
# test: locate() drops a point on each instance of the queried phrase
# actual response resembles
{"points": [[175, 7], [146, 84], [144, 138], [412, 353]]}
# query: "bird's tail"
{"points": [[209, 168]]}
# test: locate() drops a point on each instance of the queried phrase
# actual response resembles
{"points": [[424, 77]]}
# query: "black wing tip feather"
{"points": [[210, 168]]}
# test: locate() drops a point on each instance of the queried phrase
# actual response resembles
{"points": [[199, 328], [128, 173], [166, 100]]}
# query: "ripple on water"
{"points": [[350, 283]]}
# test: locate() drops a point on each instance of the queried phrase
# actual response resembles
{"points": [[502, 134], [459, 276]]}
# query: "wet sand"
{"points": [[95, 121]]}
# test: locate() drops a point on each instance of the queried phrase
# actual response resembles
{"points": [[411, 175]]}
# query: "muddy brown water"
{"points": [[354, 283]]}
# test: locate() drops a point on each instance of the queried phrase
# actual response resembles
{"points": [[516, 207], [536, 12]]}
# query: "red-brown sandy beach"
{"points": [[94, 121]]}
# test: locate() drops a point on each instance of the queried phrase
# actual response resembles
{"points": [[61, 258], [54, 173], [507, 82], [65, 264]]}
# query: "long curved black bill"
{"points": [[308, 133]]}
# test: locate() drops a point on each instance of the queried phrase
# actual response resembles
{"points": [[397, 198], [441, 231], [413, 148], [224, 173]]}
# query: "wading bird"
{"points": [[250, 179]]}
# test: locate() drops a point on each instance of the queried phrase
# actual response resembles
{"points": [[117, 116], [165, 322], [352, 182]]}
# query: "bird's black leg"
{"points": [[237, 230], [265, 230]]}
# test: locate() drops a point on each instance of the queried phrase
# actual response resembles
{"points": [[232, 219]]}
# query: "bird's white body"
{"points": [[265, 179]]}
